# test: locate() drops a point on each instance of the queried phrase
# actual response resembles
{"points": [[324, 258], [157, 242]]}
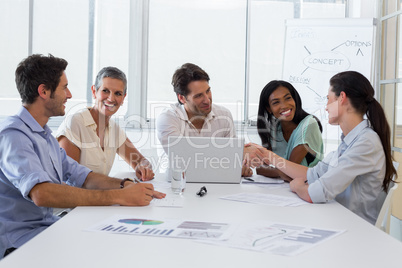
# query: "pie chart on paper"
{"points": [[140, 221]]}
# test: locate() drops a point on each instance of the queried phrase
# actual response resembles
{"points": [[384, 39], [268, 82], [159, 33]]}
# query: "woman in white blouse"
{"points": [[92, 138]]}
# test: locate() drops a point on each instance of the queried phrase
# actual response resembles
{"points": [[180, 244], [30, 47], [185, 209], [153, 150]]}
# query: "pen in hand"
{"points": [[138, 181]]}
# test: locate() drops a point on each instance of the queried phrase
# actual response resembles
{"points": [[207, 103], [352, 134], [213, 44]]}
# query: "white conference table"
{"points": [[66, 244]]}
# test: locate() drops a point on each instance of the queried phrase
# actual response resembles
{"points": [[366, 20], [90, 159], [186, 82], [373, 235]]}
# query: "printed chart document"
{"points": [[277, 238], [266, 199], [123, 224]]}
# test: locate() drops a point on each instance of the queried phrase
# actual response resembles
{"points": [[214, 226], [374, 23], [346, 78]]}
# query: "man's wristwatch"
{"points": [[124, 181]]}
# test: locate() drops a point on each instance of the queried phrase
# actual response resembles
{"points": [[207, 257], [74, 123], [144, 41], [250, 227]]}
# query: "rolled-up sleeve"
{"points": [[312, 137], [19, 162], [71, 128], [316, 192], [168, 124], [315, 189], [74, 174]]}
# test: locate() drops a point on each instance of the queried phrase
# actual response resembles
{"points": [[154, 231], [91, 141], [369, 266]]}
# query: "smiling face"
{"points": [[56, 105], [281, 104], [109, 96], [198, 101]]}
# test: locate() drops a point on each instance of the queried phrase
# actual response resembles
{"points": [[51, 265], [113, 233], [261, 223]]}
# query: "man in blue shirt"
{"points": [[35, 173]]}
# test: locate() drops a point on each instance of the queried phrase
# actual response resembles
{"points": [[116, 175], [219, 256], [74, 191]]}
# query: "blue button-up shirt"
{"points": [[353, 174], [29, 155]]}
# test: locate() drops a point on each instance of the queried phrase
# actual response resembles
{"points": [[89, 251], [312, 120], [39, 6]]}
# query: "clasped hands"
{"points": [[255, 155]]}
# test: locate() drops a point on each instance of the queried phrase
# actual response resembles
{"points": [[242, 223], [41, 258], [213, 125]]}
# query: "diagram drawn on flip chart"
{"points": [[317, 49]]}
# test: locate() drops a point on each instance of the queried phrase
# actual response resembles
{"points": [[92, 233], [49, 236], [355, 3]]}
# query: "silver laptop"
{"points": [[206, 159]]}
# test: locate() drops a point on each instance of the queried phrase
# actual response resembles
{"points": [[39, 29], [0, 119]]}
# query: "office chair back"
{"points": [[383, 220]]}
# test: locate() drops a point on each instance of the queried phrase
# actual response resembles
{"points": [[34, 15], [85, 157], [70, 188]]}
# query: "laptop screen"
{"points": [[207, 159]]}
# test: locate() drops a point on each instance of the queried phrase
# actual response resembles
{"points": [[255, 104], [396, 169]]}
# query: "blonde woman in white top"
{"points": [[92, 138]]}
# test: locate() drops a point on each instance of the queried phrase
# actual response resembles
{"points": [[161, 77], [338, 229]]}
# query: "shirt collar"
{"points": [[354, 132], [210, 115], [182, 114], [88, 119], [28, 119]]}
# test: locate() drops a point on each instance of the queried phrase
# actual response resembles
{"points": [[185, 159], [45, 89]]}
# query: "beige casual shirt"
{"points": [[80, 129]]}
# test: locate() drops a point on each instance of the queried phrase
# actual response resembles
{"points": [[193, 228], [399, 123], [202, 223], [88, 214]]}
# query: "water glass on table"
{"points": [[178, 180]]}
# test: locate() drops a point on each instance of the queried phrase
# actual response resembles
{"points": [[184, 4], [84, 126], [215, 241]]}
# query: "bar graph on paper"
{"points": [[137, 230], [311, 236], [164, 228]]}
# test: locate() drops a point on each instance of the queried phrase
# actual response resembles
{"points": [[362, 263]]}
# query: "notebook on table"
{"points": [[207, 159]]}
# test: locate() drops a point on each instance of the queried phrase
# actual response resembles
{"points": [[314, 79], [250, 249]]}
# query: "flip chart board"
{"points": [[317, 49]]}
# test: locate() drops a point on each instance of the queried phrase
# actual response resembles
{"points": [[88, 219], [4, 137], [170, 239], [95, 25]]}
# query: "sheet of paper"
{"points": [[168, 201], [159, 184], [277, 238], [261, 179], [131, 225], [266, 199], [271, 186]]}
